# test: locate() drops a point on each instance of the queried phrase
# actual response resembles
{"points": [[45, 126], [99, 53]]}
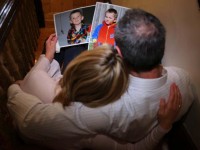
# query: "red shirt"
{"points": [[106, 34]]}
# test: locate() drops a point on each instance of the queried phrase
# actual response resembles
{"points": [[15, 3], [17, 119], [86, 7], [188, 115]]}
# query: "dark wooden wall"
{"points": [[19, 32]]}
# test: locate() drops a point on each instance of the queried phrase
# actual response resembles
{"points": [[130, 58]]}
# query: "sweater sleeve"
{"points": [[42, 64], [101, 142], [42, 72]]}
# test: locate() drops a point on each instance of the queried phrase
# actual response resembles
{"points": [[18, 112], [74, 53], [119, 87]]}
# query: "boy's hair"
{"points": [[76, 11], [112, 10], [95, 78]]}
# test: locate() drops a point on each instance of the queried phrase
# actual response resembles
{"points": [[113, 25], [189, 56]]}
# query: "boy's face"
{"points": [[109, 18], [76, 18]]}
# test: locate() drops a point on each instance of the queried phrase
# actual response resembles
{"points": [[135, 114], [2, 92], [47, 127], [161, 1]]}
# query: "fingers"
{"points": [[179, 97], [161, 107], [174, 101], [52, 38], [51, 47], [168, 112]]}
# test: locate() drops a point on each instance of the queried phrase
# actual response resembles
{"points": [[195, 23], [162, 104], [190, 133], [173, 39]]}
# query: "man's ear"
{"points": [[119, 51]]}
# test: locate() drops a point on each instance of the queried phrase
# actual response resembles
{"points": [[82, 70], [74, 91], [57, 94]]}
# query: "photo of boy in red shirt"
{"points": [[104, 33]]}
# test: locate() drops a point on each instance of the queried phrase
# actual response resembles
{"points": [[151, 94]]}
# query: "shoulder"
{"points": [[176, 71], [99, 26], [181, 77]]}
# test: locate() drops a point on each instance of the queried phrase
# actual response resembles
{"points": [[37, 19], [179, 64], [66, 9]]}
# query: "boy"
{"points": [[104, 33], [78, 32]]}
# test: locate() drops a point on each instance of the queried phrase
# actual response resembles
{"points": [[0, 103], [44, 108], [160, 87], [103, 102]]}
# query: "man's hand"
{"points": [[169, 110], [51, 47]]}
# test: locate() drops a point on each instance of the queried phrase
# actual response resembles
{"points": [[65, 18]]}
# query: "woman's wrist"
{"points": [[163, 130], [49, 57], [166, 126]]}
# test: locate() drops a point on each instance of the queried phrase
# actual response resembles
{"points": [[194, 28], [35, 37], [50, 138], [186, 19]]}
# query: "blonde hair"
{"points": [[95, 78]]}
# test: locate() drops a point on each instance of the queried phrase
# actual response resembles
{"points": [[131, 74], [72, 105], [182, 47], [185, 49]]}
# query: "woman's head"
{"points": [[95, 78]]}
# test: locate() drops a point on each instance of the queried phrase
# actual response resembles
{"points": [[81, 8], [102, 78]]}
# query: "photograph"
{"points": [[104, 22], [73, 27]]}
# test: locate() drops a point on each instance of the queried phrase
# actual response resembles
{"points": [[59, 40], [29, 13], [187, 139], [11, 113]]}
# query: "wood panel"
{"points": [[20, 31]]}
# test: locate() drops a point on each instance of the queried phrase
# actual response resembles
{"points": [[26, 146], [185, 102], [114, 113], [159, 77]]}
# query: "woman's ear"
{"points": [[119, 51]]}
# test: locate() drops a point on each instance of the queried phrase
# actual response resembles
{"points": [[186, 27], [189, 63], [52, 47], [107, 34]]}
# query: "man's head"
{"points": [[110, 16], [140, 37], [76, 17]]}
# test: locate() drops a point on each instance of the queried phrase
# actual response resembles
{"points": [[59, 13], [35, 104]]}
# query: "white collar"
{"points": [[148, 84]]}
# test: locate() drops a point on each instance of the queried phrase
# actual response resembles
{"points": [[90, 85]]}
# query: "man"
{"points": [[140, 38], [129, 119]]}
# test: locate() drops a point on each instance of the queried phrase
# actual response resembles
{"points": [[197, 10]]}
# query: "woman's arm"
{"points": [[167, 114], [47, 71], [51, 47]]}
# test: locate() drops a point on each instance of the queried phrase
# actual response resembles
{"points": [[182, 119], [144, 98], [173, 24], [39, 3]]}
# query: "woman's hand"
{"points": [[169, 110], [51, 46]]}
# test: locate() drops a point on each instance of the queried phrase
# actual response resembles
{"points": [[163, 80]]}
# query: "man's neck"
{"points": [[152, 74]]}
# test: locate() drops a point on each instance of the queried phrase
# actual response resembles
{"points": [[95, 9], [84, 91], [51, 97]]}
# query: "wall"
{"points": [[182, 21]]}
